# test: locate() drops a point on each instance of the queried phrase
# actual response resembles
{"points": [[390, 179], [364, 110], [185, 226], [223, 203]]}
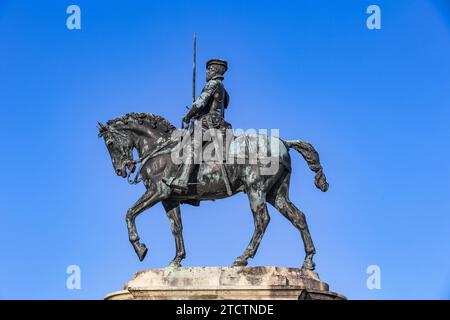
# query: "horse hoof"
{"points": [[309, 265], [141, 251], [175, 264], [240, 263]]}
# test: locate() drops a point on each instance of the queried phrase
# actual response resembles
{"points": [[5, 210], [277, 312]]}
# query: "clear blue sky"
{"points": [[376, 105]]}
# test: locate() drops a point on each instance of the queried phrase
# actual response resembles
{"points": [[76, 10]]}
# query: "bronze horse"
{"points": [[148, 133]]}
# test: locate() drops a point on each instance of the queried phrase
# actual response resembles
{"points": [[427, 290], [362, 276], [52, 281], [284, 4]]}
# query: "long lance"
{"points": [[193, 68], [193, 75]]}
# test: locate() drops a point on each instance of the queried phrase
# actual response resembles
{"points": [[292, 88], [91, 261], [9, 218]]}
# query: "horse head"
{"points": [[120, 147], [142, 131]]}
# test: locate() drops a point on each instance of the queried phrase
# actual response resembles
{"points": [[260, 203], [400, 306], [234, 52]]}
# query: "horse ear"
{"points": [[101, 129]]}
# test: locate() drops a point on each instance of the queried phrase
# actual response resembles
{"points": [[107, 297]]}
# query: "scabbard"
{"points": [[217, 149]]}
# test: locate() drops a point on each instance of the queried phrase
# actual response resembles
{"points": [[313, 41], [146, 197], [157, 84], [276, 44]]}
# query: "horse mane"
{"points": [[154, 120]]}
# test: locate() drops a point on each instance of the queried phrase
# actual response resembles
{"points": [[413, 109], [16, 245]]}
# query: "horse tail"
{"points": [[312, 159]]}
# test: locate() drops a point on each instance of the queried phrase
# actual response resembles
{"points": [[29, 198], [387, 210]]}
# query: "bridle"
{"points": [[131, 164]]}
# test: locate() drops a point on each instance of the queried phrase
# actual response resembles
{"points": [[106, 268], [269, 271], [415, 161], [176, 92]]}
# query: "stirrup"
{"points": [[177, 186], [168, 181]]}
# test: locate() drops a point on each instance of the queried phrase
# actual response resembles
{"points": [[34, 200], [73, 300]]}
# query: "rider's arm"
{"points": [[202, 100]]}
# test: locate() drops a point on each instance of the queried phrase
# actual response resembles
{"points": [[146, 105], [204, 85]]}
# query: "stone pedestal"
{"points": [[215, 283]]}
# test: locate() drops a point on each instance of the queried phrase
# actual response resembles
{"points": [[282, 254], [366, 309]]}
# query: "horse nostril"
{"points": [[119, 172]]}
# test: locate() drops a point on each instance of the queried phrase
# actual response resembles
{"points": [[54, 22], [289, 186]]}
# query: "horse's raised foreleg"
{"points": [[279, 198], [149, 199], [261, 218], [174, 214]]}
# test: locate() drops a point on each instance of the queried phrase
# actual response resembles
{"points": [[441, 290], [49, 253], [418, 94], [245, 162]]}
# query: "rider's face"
{"points": [[210, 72]]}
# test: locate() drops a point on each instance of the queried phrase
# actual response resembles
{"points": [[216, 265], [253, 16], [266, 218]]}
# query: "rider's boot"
{"points": [[181, 182]]}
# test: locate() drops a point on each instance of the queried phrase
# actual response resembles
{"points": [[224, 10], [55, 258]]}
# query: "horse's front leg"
{"points": [[149, 199], [173, 213]]}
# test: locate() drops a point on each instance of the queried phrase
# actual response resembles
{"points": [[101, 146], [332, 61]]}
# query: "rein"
{"points": [[143, 160]]}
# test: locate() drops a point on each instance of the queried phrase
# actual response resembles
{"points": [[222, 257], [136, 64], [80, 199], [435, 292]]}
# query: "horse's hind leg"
{"points": [[174, 215], [279, 198], [261, 218]]}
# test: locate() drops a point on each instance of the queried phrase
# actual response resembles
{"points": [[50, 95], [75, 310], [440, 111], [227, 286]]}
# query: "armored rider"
{"points": [[207, 112]]}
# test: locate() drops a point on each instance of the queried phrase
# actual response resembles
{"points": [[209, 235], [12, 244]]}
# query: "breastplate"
{"points": [[216, 108]]}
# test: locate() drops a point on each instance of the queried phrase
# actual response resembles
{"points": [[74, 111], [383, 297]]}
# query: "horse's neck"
{"points": [[145, 144]]}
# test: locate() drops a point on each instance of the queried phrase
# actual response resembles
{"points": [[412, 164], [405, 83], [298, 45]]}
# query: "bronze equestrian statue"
{"points": [[152, 136]]}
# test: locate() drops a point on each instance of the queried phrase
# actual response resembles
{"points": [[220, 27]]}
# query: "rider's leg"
{"points": [[181, 182]]}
